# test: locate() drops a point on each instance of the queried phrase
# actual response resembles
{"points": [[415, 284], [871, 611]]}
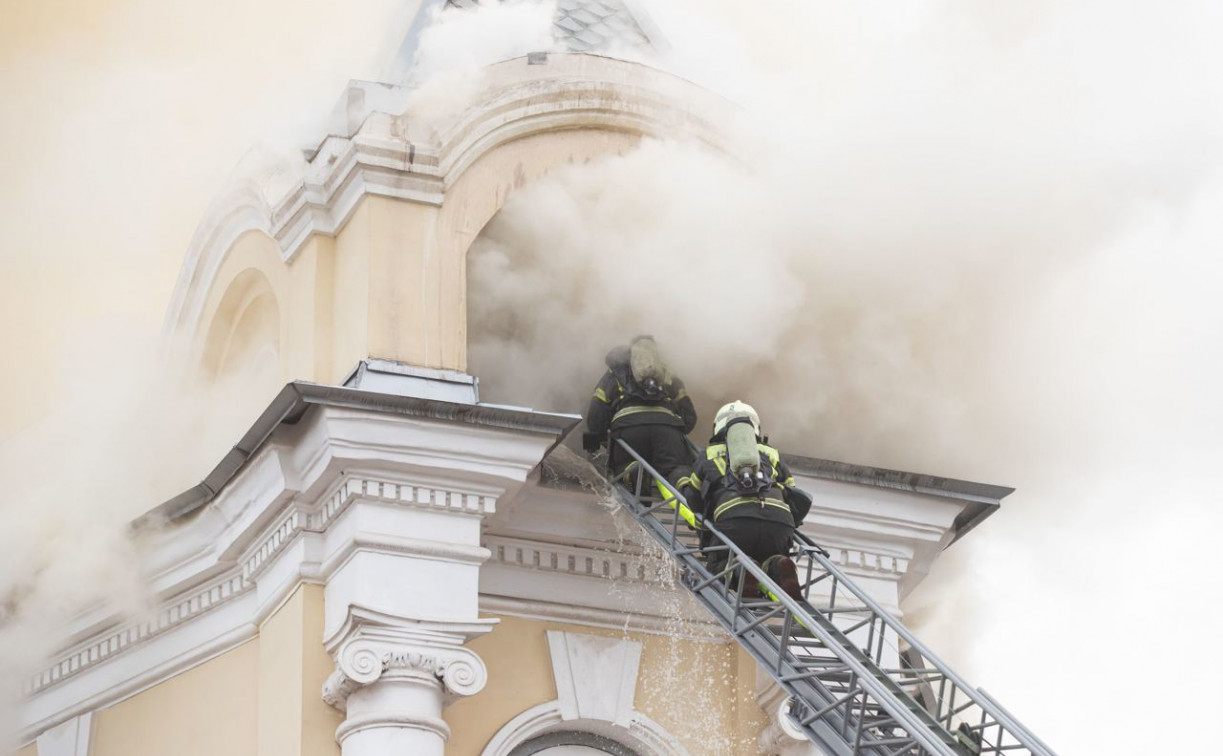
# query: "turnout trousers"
{"points": [[759, 539], [664, 447]]}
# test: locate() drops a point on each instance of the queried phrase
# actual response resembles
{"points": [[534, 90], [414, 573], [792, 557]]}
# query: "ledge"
{"points": [[982, 499], [296, 398], [565, 469]]}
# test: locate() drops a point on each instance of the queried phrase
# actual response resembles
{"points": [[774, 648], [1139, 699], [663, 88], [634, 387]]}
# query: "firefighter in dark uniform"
{"points": [[641, 401], [745, 489]]}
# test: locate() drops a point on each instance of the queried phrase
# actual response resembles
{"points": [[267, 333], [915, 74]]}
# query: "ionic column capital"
{"points": [[373, 646]]}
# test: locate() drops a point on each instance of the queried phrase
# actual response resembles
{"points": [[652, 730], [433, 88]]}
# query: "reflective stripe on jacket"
{"points": [[713, 492], [614, 406]]}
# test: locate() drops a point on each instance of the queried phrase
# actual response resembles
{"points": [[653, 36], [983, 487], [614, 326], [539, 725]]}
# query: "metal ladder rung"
{"points": [[855, 706]]}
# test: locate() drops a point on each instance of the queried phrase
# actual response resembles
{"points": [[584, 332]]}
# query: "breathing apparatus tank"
{"points": [[647, 366], [742, 426]]}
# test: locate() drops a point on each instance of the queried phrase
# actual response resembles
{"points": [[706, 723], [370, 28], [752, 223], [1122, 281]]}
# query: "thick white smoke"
{"points": [[967, 238], [972, 241], [122, 121], [457, 45]]}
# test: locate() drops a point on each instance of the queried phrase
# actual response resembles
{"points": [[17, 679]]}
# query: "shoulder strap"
{"points": [[772, 454]]}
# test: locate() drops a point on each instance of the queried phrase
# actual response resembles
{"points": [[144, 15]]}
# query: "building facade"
{"points": [[384, 564]]}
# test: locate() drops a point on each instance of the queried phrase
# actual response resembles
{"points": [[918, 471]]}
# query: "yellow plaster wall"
{"points": [[252, 250], [310, 311], [351, 293], [210, 709], [702, 693], [262, 698], [293, 718]]}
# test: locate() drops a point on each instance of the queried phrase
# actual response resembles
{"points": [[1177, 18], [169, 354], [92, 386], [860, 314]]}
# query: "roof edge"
{"points": [[983, 499], [297, 397]]}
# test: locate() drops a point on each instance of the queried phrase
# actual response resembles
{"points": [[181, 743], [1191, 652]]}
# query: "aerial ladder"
{"points": [[860, 683]]}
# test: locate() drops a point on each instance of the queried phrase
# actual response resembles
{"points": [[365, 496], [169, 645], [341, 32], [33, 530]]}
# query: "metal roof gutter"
{"points": [[299, 396]]}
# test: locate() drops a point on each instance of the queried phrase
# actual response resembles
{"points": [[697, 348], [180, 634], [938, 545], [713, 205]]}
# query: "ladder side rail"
{"points": [[985, 703], [1010, 720], [903, 715], [945, 710], [762, 646], [823, 732]]}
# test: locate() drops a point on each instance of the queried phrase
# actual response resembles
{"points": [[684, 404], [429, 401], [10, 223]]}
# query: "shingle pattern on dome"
{"points": [[589, 25]]}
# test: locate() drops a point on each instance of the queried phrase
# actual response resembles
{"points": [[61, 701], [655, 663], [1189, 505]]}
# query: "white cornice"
{"points": [[130, 634], [574, 560], [265, 548], [277, 524]]}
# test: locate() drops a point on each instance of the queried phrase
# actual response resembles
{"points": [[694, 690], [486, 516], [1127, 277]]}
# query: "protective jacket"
{"points": [[619, 402], [715, 493]]}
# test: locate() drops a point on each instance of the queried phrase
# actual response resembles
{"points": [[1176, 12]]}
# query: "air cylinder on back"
{"points": [[645, 361], [741, 449]]}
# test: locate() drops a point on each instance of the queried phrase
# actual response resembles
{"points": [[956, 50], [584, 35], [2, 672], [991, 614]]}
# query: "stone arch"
{"points": [[639, 735], [576, 742], [379, 224], [487, 185]]}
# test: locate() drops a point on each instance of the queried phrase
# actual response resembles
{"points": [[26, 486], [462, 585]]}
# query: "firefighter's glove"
{"points": [[592, 441]]}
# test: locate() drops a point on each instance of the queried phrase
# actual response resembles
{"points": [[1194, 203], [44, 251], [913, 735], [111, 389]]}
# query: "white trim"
{"points": [[277, 525], [642, 733], [596, 677], [372, 644], [257, 558], [596, 681], [626, 565], [400, 156], [71, 738]]}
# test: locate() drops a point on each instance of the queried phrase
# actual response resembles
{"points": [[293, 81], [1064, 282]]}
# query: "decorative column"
{"points": [[393, 677], [403, 501]]}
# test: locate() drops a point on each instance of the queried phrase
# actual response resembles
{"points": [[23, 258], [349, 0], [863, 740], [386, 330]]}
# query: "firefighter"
{"points": [[747, 492], [641, 401]]}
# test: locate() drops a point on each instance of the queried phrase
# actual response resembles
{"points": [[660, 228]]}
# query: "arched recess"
{"points": [[243, 340]]}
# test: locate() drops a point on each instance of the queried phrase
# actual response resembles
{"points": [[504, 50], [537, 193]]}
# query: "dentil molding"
{"points": [[297, 520]]}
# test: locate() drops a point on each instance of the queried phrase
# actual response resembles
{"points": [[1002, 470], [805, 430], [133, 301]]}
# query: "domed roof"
{"points": [[591, 25]]}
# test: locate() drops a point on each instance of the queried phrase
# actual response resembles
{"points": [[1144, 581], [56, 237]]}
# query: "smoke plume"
{"points": [[964, 240], [971, 239], [122, 121]]}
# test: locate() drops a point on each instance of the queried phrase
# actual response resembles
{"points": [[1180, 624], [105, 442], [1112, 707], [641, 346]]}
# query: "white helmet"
{"points": [[734, 411]]}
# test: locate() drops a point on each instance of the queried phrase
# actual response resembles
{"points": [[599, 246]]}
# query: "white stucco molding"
{"points": [[71, 738], [340, 485], [394, 675], [403, 156], [596, 680], [596, 676], [625, 565], [261, 554], [371, 645]]}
